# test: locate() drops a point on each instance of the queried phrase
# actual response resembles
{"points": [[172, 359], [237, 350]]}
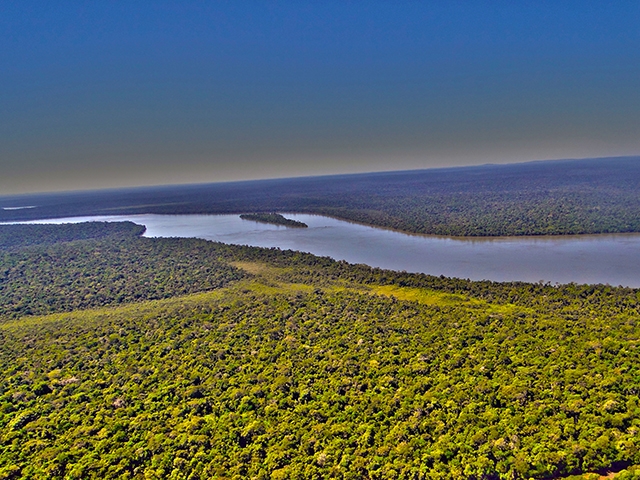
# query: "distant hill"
{"points": [[537, 198]]}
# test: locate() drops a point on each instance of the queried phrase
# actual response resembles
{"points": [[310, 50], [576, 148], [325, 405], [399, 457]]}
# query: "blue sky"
{"points": [[106, 94]]}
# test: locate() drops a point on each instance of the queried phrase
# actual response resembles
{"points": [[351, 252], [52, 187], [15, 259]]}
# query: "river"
{"points": [[611, 259]]}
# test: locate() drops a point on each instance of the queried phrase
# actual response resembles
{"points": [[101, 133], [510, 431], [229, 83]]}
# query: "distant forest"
{"points": [[538, 198], [148, 358]]}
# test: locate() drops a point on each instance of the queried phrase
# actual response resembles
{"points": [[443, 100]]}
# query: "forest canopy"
{"points": [[273, 218], [280, 364], [536, 198]]}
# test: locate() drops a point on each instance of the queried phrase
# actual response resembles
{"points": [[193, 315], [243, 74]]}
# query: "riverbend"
{"points": [[609, 259]]}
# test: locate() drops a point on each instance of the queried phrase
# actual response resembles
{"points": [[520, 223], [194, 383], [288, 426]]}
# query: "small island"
{"points": [[274, 218]]}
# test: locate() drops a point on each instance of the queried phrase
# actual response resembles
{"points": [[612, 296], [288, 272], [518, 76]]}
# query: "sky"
{"points": [[103, 94]]}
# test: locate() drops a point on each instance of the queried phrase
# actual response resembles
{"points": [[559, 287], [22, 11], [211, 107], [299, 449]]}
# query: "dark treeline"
{"points": [[555, 197], [299, 367], [273, 218]]}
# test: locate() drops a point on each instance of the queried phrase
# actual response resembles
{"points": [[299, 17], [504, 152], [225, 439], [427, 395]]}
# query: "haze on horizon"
{"points": [[115, 94]]}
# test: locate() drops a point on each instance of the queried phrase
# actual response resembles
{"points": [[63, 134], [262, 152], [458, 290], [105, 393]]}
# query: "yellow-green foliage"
{"points": [[309, 368], [420, 295]]}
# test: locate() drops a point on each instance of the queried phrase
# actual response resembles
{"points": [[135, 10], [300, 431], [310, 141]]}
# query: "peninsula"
{"points": [[273, 218]]}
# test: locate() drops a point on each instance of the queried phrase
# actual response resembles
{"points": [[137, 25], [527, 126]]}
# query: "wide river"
{"points": [[612, 259]]}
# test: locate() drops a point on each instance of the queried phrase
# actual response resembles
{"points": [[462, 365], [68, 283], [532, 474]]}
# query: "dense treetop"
{"points": [[20, 236], [82, 275], [286, 365]]}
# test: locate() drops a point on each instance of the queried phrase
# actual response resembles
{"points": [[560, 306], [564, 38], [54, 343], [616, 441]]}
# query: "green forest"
{"points": [[131, 357], [563, 197]]}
